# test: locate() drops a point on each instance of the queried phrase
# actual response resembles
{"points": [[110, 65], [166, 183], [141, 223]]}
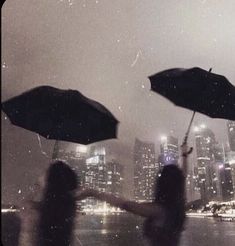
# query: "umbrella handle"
{"points": [[188, 152]]}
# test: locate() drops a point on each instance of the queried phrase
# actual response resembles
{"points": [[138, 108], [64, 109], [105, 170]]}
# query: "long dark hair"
{"points": [[58, 206], [170, 186], [170, 192]]}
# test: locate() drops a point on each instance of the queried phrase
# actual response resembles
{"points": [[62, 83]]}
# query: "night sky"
{"points": [[106, 50]]}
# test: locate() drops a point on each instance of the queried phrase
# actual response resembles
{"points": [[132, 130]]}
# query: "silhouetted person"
{"points": [[165, 216], [58, 207], [10, 231], [165, 229]]}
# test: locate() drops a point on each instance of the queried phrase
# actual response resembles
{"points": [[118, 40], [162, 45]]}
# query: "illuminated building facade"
{"points": [[114, 178], [231, 134], [169, 151], [77, 160], [231, 161], [96, 170], [145, 170], [95, 177], [224, 179], [227, 190], [206, 168]]}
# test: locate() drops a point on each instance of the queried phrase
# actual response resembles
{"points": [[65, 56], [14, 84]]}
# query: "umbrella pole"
{"points": [[191, 121], [184, 148], [188, 130], [55, 150]]}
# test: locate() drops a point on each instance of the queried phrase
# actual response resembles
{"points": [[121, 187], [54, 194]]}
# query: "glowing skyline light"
{"points": [[163, 138], [196, 129], [203, 126], [81, 149]]}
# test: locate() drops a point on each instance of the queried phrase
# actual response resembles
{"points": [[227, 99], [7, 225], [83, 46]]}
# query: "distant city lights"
{"points": [[196, 129], [203, 126], [163, 138], [81, 149], [221, 166]]}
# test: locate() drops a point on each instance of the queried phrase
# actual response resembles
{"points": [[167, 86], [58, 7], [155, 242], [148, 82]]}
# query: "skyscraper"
{"points": [[114, 178], [223, 169], [96, 170], [96, 176], [205, 145], [226, 181], [169, 151], [231, 161], [231, 134], [145, 170], [77, 160]]}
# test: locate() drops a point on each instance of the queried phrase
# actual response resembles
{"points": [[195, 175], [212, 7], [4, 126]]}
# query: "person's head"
{"points": [[61, 178], [169, 188], [58, 206]]}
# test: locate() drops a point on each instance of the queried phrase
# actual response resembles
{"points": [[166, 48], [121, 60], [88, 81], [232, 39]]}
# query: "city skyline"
{"points": [[210, 176]]}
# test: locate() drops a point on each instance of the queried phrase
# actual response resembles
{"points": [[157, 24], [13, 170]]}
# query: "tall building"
{"points": [[231, 134], [145, 170], [96, 170], [219, 162], [231, 161], [226, 181], [114, 178], [206, 173], [223, 179], [78, 163], [169, 151], [96, 177], [77, 160]]}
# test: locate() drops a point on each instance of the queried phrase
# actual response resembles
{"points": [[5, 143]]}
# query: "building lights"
{"points": [[196, 129], [203, 126], [163, 138], [221, 166], [81, 149]]}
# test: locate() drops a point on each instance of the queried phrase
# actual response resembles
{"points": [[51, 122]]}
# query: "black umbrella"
{"points": [[64, 115], [198, 90]]}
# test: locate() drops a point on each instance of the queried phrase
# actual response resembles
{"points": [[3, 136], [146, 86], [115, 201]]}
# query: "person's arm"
{"points": [[184, 159], [141, 209], [185, 152]]}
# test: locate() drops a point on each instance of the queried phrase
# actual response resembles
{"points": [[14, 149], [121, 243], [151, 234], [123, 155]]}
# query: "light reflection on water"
{"points": [[127, 230]]}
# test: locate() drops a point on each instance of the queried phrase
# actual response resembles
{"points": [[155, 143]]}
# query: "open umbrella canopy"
{"points": [[198, 90], [64, 115]]}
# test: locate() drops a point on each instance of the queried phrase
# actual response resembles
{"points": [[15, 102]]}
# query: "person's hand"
{"points": [[185, 151], [30, 204]]}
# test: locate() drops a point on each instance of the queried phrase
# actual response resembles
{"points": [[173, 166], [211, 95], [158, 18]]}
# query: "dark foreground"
{"points": [[125, 230]]}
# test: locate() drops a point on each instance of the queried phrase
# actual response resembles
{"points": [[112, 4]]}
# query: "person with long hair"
{"points": [[165, 216], [58, 206]]}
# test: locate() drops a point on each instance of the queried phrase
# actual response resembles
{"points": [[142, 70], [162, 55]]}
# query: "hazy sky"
{"points": [[106, 50]]}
